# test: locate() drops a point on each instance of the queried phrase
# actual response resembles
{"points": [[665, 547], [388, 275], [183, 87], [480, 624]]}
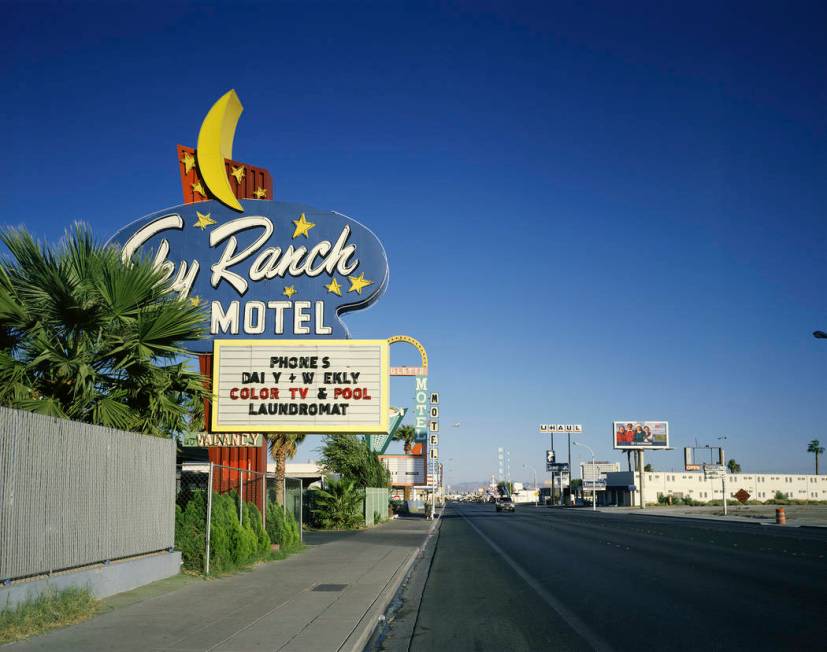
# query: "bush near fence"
{"points": [[233, 544], [282, 528]]}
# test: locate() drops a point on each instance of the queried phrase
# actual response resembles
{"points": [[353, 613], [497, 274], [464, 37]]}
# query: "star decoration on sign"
{"points": [[188, 161], [203, 221], [302, 226], [238, 173], [197, 187], [260, 193], [358, 283], [289, 291], [195, 301], [333, 287]]}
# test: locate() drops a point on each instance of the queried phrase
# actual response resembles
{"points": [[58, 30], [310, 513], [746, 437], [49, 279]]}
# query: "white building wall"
{"points": [[760, 486]]}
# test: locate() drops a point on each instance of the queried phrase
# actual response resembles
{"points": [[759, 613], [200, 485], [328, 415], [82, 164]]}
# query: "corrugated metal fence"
{"points": [[73, 494], [376, 502]]}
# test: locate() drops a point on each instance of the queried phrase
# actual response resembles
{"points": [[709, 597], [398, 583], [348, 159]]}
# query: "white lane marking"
{"points": [[573, 621]]}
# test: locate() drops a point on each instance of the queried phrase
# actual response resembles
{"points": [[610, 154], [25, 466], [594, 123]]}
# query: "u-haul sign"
{"points": [[300, 386]]}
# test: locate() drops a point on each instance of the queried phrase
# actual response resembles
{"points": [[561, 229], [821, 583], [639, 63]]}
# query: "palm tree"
{"points": [[85, 336], [406, 434], [733, 466], [339, 504], [282, 446], [815, 447]]}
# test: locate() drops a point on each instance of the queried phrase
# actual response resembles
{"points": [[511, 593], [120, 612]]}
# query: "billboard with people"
{"points": [[640, 434]]}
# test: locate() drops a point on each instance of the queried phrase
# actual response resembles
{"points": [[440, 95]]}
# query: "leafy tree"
{"points": [[648, 468], [339, 505], [505, 488], [85, 336], [815, 447], [351, 458], [733, 466], [406, 434], [282, 447]]}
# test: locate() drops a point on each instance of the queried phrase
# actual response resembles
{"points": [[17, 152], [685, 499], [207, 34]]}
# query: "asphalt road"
{"points": [[549, 578]]}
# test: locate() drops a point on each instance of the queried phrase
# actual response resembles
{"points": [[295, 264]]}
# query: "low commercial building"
{"points": [[622, 487], [594, 475]]}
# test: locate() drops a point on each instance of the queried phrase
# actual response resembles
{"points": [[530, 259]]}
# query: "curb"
{"points": [[375, 615]]}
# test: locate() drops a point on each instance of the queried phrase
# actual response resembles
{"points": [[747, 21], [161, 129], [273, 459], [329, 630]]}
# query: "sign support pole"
{"points": [[209, 520], [640, 467], [552, 473], [723, 480], [568, 434]]}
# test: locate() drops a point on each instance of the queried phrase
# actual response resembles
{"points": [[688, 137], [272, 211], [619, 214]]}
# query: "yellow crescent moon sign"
{"points": [[215, 143]]}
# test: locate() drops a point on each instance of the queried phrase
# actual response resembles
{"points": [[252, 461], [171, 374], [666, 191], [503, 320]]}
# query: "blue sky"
{"points": [[591, 211]]}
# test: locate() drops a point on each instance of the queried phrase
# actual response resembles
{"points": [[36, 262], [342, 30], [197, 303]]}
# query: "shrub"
{"points": [[191, 531], [253, 517], [223, 536], [282, 528], [232, 543]]}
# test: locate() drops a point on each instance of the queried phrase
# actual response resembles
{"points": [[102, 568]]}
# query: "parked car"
{"points": [[505, 505]]}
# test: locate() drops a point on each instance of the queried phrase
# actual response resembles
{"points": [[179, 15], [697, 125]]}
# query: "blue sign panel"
{"points": [[276, 270]]}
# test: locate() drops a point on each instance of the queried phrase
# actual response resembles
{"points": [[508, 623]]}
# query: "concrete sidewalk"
{"points": [[329, 597]]}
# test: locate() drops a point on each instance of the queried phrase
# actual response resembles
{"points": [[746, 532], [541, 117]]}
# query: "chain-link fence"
{"points": [[294, 500]]}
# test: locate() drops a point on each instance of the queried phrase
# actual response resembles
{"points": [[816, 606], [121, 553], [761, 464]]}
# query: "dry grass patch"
{"points": [[48, 611]]}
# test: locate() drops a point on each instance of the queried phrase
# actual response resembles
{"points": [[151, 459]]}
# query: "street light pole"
{"points": [[594, 482], [531, 468]]}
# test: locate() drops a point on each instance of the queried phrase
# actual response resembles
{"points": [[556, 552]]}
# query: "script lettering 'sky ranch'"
{"points": [[281, 270]]}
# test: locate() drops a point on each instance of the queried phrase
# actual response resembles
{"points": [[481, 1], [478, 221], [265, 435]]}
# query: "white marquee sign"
{"points": [[300, 386], [405, 469]]}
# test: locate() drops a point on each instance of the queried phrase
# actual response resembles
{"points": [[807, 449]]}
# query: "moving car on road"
{"points": [[505, 505]]}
